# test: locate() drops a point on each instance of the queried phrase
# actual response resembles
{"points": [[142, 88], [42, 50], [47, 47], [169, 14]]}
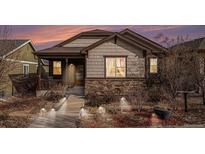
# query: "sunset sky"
{"points": [[44, 36]]}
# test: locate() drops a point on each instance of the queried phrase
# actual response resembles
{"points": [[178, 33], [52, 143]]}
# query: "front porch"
{"points": [[66, 71]]}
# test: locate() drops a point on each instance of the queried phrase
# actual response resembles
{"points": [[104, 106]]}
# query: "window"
{"points": [[25, 69], [153, 65], [57, 68], [115, 66]]}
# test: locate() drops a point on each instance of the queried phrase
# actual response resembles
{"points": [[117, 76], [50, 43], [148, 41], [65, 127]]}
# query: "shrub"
{"points": [[113, 110], [153, 80], [3, 115], [94, 100], [53, 96], [154, 94]]}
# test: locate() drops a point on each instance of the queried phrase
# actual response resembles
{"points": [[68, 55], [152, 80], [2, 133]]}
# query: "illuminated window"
{"points": [[57, 68], [115, 67], [153, 65]]}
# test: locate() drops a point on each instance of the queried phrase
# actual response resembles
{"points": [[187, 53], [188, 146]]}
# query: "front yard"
{"points": [[19, 112], [113, 116]]}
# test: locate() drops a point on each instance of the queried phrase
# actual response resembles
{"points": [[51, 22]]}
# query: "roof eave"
{"points": [[144, 38], [14, 50], [85, 50]]}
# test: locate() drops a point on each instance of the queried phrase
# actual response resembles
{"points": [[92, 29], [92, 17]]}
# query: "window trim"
{"points": [[53, 68], [26, 65], [105, 72], [150, 65]]}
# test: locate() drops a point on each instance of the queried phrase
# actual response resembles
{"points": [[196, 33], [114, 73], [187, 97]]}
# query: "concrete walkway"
{"points": [[76, 90], [66, 117]]}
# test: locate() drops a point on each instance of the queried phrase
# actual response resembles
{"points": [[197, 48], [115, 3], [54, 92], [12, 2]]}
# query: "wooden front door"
{"points": [[71, 74]]}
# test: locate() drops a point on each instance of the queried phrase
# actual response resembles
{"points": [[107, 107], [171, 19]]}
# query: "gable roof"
{"points": [[193, 44], [115, 35], [105, 36], [138, 36], [7, 47], [96, 32]]}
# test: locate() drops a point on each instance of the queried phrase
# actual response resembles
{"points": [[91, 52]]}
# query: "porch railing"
{"points": [[48, 83]]}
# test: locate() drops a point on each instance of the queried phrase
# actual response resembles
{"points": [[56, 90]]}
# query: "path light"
{"points": [[43, 109], [101, 111], [62, 99], [52, 109], [83, 114], [124, 105], [42, 112]]}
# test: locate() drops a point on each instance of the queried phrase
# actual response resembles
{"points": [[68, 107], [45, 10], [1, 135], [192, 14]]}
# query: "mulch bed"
{"points": [[147, 118]]}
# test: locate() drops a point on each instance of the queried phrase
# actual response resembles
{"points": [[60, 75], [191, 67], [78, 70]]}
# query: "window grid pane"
{"points": [[57, 68], [115, 67], [153, 65], [110, 67]]}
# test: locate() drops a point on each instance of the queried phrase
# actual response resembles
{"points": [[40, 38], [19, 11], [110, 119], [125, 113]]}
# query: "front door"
{"points": [[71, 74]]}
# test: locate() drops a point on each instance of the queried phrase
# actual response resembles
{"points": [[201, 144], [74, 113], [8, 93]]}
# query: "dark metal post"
{"points": [[185, 102]]}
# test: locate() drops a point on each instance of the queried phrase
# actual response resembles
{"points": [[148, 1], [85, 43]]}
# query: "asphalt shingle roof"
{"points": [[7, 46], [194, 44]]}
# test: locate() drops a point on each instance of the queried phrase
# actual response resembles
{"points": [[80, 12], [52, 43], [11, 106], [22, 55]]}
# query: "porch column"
{"points": [[66, 71], [39, 72], [146, 63]]}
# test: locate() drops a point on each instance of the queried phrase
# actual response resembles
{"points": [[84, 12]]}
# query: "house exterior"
{"points": [[103, 61], [196, 45], [194, 48], [17, 56]]}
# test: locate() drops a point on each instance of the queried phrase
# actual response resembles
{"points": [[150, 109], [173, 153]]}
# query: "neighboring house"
{"points": [[103, 61], [196, 45], [18, 57]]}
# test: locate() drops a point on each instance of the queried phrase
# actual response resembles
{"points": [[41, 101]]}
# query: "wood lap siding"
{"points": [[23, 54], [81, 42], [95, 60]]}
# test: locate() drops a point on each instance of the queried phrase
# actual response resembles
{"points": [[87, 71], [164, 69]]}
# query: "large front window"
{"points": [[57, 68], [115, 67]]}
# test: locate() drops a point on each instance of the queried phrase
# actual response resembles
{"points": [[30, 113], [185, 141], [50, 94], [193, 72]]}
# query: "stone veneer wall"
{"points": [[112, 86]]}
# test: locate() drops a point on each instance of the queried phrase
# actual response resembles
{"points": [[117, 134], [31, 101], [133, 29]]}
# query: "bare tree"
{"points": [[137, 93], [5, 66], [181, 68], [199, 74]]}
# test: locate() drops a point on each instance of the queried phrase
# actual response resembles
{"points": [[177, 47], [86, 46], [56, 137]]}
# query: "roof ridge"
{"points": [[115, 34], [195, 39], [143, 37], [106, 33], [10, 46]]}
